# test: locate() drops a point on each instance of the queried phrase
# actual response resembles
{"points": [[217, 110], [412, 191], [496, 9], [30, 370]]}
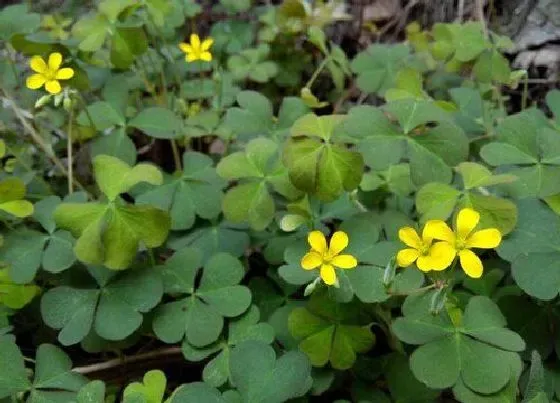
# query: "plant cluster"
{"points": [[292, 221]]}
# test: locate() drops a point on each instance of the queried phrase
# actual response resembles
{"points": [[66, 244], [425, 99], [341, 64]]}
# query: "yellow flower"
{"points": [[195, 50], [464, 239], [427, 255], [48, 74], [328, 257]]}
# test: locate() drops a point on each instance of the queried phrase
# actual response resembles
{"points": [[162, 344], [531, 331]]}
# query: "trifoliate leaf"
{"points": [[113, 308], [199, 316]]}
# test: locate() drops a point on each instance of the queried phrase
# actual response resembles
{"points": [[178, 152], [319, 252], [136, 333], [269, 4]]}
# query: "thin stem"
{"points": [[525, 94], [176, 155], [36, 137], [317, 72], [102, 366], [152, 257], [69, 152]]}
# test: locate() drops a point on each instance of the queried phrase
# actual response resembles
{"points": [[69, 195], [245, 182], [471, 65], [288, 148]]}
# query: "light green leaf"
{"points": [[152, 387], [115, 176], [316, 126], [476, 175], [436, 201], [158, 122], [411, 113], [249, 202], [13, 295], [93, 392]]}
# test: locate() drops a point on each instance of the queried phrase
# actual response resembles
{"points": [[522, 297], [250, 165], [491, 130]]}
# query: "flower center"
{"points": [[49, 74], [460, 243]]}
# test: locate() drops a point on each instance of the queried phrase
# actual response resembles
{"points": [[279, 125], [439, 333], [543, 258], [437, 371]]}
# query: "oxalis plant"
{"points": [[221, 204]]}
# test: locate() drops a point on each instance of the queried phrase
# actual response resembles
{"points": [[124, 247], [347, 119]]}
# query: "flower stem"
{"points": [[69, 152], [317, 72]]}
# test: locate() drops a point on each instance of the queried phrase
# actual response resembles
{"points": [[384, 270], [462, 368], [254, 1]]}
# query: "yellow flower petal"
{"points": [[311, 260], [55, 60], [191, 57], [410, 237], [37, 64], [185, 47], [438, 229], [195, 41], [317, 241], [443, 254], [470, 263], [206, 44], [485, 239], [65, 73], [426, 263], [344, 261], [35, 81], [467, 219], [53, 87], [406, 257], [206, 56], [328, 274], [339, 241]]}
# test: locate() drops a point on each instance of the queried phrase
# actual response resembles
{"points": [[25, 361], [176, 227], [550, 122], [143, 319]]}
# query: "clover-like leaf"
{"points": [[110, 233], [150, 390], [252, 64], [197, 192], [196, 392], [330, 334], [246, 327], [261, 377], [15, 296], [528, 148], [259, 167], [13, 375], [378, 65], [12, 192], [321, 168], [198, 317], [254, 116], [54, 379], [476, 349], [93, 392], [113, 307]]}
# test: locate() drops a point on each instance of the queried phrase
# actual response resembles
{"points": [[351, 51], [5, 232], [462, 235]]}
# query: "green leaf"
{"points": [[113, 309], [538, 274], [116, 144], [316, 126], [23, 251], [537, 231], [199, 317], [436, 201], [103, 114], [329, 334], [93, 392], [126, 44], [492, 66], [196, 192], [411, 113], [536, 382], [476, 175], [12, 191], [322, 169], [378, 65], [553, 102], [54, 378], [158, 122], [260, 377], [404, 387], [246, 327], [13, 295], [152, 388], [478, 353], [249, 202], [13, 375], [115, 177], [196, 392], [468, 40], [15, 19], [254, 162], [210, 240], [494, 212]]}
